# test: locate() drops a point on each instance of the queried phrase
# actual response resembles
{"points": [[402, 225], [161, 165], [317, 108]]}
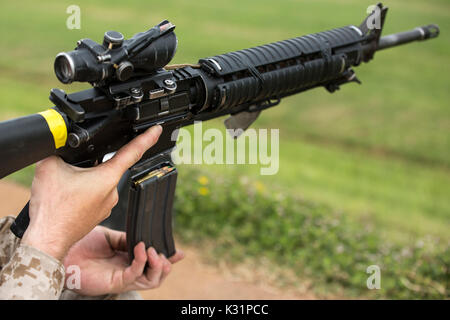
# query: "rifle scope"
{"points": [[116, 58]]}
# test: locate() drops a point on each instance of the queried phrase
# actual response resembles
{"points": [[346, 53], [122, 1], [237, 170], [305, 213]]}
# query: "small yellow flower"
{"points": [[203, 191], [203, 180], [259, 186]]}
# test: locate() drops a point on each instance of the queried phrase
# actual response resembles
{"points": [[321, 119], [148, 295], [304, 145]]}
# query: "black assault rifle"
{"points": [[133, 89]]}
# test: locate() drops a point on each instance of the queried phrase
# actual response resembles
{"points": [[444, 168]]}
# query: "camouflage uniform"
{"points": [[28, 273]]}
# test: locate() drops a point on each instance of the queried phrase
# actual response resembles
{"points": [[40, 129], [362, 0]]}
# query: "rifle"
{"points": [[134, 89]]}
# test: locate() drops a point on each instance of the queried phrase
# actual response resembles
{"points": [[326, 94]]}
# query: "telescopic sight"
{"points": [[64, 68]]}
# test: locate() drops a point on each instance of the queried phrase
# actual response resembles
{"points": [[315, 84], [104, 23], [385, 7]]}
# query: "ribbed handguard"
{"points": [[278, 68]]}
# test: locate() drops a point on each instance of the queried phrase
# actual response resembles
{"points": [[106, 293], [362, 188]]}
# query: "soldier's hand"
{"points": [[103, 261], [67, 202]]}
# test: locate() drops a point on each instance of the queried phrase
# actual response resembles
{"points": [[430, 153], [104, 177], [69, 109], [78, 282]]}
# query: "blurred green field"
{"points": [[379, 152]]}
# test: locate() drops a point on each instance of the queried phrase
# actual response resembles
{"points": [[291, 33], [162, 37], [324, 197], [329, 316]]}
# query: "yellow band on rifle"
{"points": [[57, 126]]}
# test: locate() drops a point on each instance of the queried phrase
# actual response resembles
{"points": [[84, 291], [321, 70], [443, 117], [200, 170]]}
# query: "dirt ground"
{"points": [[191, 278]]}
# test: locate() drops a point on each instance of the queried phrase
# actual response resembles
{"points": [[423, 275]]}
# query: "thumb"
{"points": [[132, 152]]}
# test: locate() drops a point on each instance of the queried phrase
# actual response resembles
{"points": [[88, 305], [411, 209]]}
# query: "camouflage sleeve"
{"points": [[26, 272]]}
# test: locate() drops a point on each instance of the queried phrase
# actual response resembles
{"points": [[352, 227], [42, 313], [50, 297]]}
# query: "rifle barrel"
{"points": [[416, 34]]}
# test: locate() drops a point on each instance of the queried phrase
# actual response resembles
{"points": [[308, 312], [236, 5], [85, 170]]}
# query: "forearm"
{"points": [[26, 272], [42, 236], [31, 274]]}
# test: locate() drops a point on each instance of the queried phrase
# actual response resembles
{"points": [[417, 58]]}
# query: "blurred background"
{"points": [[364, 173]]}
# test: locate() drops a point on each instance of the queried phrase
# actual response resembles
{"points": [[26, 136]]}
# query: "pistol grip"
{"points": [[149, 215], [21, 222]]}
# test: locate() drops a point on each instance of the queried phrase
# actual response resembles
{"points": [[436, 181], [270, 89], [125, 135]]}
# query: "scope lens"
{"points": [[64, 68]]}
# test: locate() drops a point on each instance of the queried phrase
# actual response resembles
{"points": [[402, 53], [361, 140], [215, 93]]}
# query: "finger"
{"points": [[117, 240], [132, 152], [136, 268], [167, 267], [179, 255], [155, 269]]}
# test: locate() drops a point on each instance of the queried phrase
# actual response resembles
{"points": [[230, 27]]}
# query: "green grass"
{"points": [[249, 219], [379, 152], [405, 199]]}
